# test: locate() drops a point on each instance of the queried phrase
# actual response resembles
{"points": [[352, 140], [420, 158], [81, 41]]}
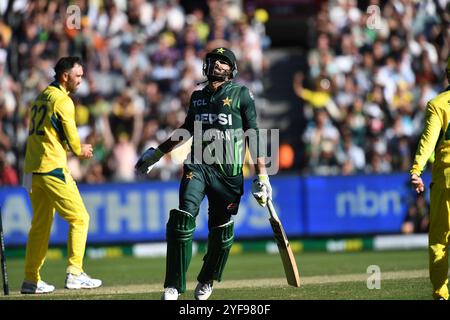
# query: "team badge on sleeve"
{"points": [[251, 94]]}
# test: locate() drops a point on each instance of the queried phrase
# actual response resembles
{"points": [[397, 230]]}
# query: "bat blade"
{"points": [[287, 257]]}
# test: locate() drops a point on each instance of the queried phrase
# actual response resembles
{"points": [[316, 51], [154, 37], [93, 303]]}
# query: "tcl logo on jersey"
{"points": [[199, 102], [211, 118]]}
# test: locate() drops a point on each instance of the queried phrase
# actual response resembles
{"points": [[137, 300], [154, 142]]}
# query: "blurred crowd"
{"points": [[142, 60], [369, 77]]}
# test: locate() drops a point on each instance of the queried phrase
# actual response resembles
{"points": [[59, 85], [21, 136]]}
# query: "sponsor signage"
{"points": [[307, 206]]}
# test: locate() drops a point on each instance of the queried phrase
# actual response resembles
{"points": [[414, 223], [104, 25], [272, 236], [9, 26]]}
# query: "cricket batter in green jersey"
{"points": [[436, 137], [219, 116]]}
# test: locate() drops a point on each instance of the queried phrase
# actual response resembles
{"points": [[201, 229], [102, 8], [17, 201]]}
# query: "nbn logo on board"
{"points": [[368, 203]]}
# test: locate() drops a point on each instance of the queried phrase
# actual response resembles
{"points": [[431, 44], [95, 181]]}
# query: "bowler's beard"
{"points": [[72, 87]]}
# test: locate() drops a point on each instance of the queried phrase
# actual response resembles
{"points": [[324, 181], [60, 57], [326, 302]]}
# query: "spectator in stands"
{"points": [[350, 156], [316, 98], [320, 138], [8, 176]]}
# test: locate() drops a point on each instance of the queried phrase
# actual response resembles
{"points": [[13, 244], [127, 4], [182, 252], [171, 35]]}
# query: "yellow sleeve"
{"points": [[428, 139], [65, 110], [306, 94], [316, 98]]}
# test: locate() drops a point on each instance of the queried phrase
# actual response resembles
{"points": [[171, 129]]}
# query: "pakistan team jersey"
{"points": [[219, 122], [52, 131], [436, 137]]}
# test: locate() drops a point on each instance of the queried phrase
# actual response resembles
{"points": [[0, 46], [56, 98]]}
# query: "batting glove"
{"points": [[262, 190], [147, 160]]}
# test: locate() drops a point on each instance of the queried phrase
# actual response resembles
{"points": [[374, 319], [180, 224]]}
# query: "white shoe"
{"points": [[203, 290], [36, 288], [82, 281], [170, 293]]}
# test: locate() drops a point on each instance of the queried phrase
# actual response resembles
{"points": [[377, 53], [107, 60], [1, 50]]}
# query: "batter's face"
{"points": [[221, 67]]}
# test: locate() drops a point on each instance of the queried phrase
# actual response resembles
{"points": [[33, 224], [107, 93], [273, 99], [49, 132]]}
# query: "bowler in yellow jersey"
{"points": [[52, 133], [436, 137]]}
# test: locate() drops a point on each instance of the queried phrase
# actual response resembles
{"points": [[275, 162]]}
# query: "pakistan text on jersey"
{"points": [[215, 134]]}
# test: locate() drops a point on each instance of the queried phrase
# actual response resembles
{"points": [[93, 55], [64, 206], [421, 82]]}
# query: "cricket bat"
{"points": [[3, 259], [287, 257]]}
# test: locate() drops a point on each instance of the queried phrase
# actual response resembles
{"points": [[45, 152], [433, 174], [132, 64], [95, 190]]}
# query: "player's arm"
{"points": [[426, 146], [178, 137], [249, 122], [65, 114], [261, 188]]}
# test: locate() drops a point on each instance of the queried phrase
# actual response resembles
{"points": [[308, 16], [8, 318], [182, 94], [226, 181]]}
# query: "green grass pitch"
{"points": [[249, 276]]}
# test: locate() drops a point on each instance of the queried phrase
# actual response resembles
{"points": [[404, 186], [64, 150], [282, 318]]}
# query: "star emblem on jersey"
{"points": [[227, 101], [189, 175], [220, 50]]}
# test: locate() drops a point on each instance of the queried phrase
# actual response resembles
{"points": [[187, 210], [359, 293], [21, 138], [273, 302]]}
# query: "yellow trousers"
{"points": [[47, 194], [438, 240]]}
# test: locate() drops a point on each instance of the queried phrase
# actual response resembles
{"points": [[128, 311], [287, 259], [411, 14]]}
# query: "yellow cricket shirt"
{"points": [[436, 137], [52, 131]]}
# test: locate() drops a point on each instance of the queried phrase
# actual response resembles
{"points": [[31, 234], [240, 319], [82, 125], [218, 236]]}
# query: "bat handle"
{"points": [[272, 211]]}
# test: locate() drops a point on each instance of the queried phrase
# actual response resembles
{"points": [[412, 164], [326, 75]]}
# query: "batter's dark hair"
{"points": [[64, 64]]}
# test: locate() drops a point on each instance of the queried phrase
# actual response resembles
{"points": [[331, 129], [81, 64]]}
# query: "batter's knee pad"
{"points": [[179, 231], [220, 240]]}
